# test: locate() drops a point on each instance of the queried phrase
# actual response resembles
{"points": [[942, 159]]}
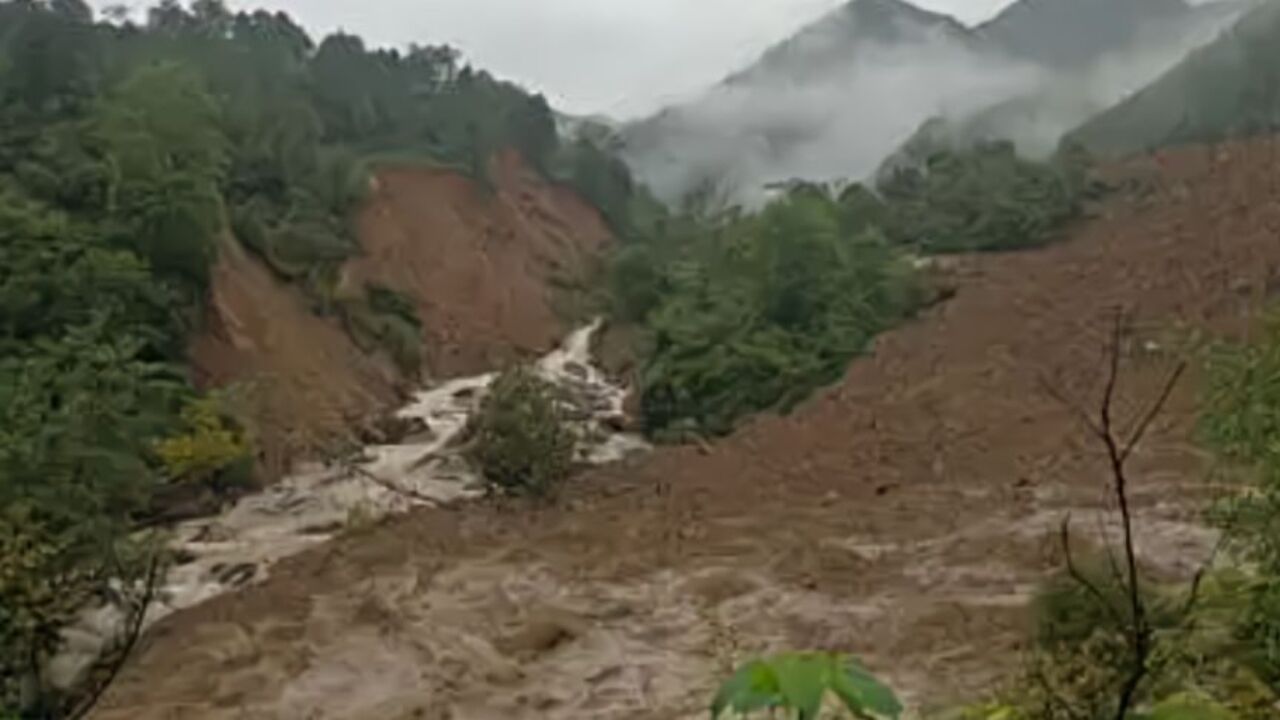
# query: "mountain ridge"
{"points": [[1074, 32], [1224, 89], [841, 94], [788, 113]]}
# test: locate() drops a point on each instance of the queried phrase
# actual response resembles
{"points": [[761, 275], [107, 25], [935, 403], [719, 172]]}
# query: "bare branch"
{"points": [[1137, 627], [1113, 372], [1193, 594], [1112, 563], [1140, 430], [1049, 389], [133, 633], [1079, 577]]}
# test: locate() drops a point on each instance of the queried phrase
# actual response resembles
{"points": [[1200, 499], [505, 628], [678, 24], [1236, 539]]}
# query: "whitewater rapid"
{"points": [[239, 546]]}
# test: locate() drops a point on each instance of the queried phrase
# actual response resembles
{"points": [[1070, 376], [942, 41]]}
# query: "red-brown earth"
{"points": [[489, 269], [903, 514]]}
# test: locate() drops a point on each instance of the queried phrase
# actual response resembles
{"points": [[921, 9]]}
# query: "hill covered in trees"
{"points": [[1076, 34], [1229, 88]]}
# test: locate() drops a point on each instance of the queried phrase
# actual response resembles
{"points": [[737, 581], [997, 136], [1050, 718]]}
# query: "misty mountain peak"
{"points": [[887, 13], [836, 38]]}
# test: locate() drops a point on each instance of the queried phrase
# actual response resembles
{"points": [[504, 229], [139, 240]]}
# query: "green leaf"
{"points": [[803, 680], [799, 682], [862, 694], [754, 687]]}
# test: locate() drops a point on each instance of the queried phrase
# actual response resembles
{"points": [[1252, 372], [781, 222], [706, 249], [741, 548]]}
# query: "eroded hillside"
{"points": [[482, 264], [903, 515]]}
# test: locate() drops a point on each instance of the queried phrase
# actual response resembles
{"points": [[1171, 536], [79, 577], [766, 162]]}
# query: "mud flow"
{"points": [[904, 514]]}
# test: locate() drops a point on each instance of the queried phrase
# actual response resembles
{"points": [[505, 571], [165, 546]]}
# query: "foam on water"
{"points": [[240, 545]]}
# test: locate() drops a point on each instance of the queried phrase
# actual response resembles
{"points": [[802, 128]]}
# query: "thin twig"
{"points": [[1140, 430], [1113, 373], [1052, 391], [1138, 629], [1193, 593], [132, 635], [1079, 577]]}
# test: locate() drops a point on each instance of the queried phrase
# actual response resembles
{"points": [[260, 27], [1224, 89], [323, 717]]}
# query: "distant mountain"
{"points": [[1071, 33], [829, 102], [1137, 41], [1229, 88], [836, 40], [842, 94]]}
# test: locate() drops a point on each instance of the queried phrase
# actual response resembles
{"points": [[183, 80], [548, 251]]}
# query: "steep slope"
{"points": [[843, 94], [1095, 53], [835, 41], [830, 102], [1058, 33], [903, 515], [1229, 88], [307, 382], [483, 266]]}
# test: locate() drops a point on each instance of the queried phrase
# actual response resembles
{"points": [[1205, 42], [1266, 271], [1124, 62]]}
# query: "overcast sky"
{"points": [[618, 57]]}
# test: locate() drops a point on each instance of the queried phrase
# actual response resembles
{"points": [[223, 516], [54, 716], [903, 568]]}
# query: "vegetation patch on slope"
{"points": [[747, 311]]}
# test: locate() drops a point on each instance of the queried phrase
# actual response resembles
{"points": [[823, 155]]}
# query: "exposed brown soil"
{"points": [[902, 515], [483, 265], [307, 382]]}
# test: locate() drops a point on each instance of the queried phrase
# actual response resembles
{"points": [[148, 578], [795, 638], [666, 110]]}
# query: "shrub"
{"points": [[1067, 613], [1241, 421], [387, 319], [985, 198], [210, 446], [42, 586], [520, 438]]}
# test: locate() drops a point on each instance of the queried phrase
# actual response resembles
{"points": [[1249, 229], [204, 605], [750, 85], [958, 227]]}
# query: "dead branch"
{"points": [[1081, 578], [1140, 430], [1119, 448], [133, 633]]}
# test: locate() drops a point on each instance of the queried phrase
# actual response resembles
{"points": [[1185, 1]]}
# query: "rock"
{"points": [[234, 575], [616, 423], [213, 532], [183, 556], [392, 430]]}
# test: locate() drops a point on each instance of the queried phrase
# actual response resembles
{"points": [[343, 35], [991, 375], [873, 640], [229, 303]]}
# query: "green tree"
{"points": [[160, 130], [520, 438]]}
